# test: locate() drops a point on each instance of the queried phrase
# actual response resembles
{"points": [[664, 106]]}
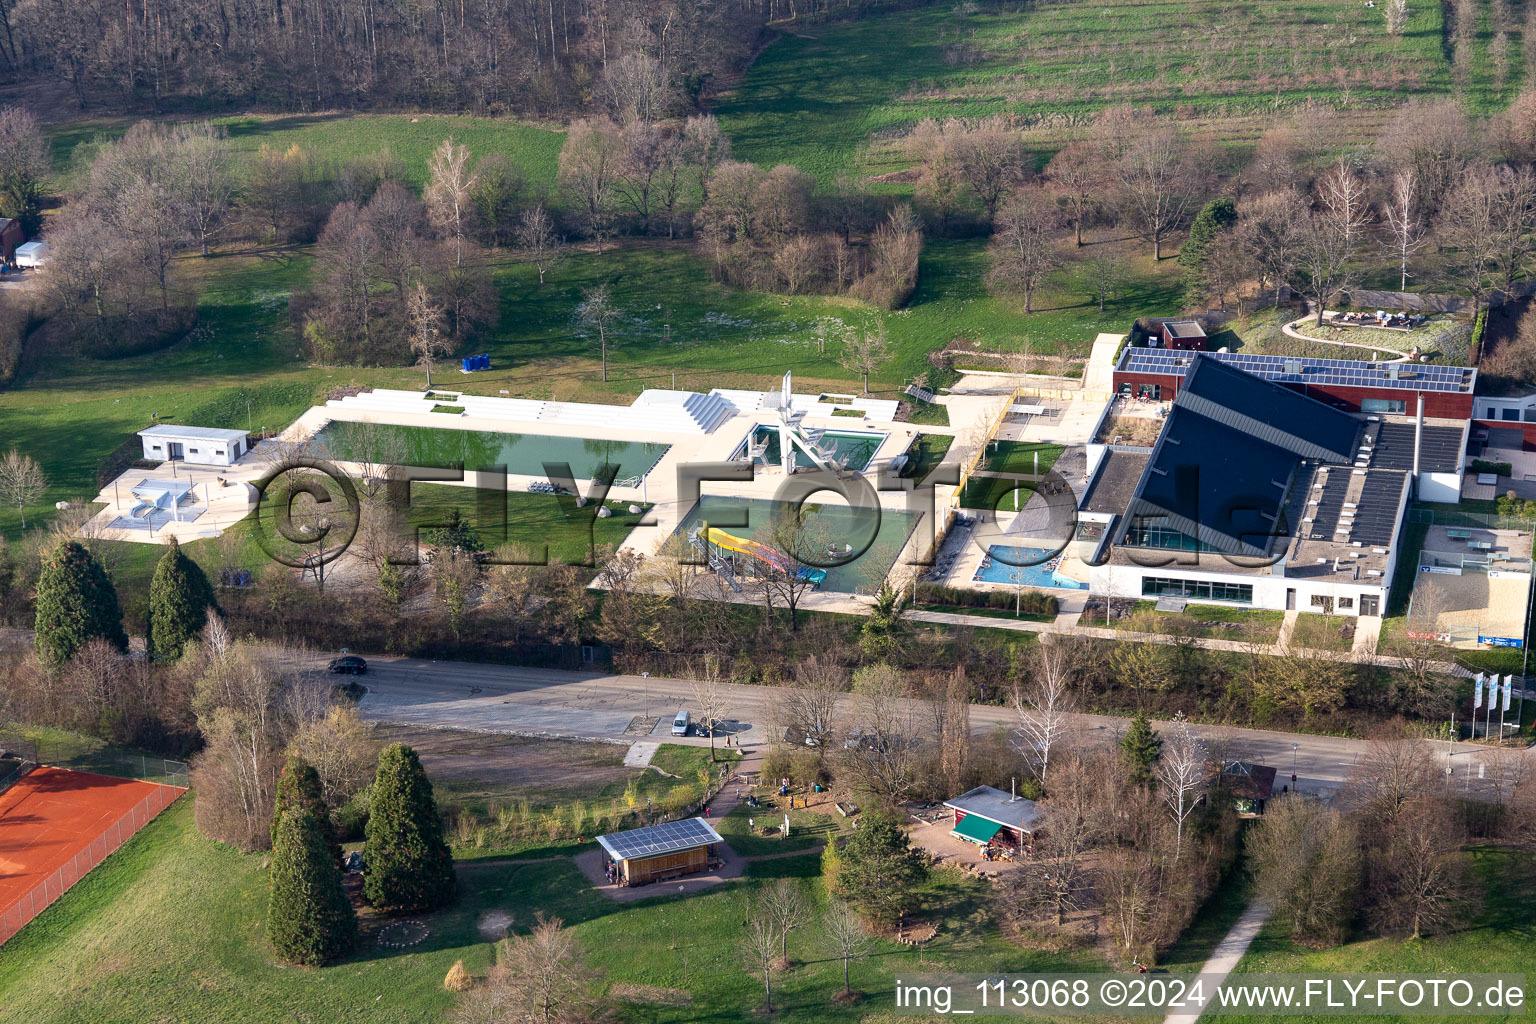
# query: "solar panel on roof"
{"points": [[654, 840]]}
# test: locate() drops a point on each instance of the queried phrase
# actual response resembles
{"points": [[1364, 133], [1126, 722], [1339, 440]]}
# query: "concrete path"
{"points": [[1287, 628], [640, 753], [1228, 952], [1290, 330]]}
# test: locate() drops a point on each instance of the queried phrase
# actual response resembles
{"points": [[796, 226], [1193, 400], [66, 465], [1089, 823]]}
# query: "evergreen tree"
{"points": [[179, 598], [1142, 747], [75, 602], [298, 787], [877, 868], [407, 866], [1214, 218], [309, 918]]}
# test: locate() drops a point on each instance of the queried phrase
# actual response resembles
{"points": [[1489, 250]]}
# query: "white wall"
{"points": [[1508, 410], [1269, 592], [204, 452]]}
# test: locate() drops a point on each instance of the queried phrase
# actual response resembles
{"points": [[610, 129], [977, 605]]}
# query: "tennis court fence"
{"points": [[16, 916]]}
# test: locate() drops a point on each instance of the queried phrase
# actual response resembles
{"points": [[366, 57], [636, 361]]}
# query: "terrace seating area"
{"points": [[1381, 318]]}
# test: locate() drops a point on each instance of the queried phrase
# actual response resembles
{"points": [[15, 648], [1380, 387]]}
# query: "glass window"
{"points": [[1388, 405], [1201, 590], [1511, 415]]}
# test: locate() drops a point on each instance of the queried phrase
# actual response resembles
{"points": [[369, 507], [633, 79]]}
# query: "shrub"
{"points": [[1031, 602], [309, 918], [407, 863], [458, 978]]}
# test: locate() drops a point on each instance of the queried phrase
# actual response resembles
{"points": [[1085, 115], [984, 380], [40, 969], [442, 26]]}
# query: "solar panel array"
{"points": [[654, 840], [1330, 505], [1440, 451], [1339, 372], [1376, 518]]}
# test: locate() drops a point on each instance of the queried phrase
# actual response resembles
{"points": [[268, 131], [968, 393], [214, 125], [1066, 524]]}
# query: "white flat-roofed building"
{"points": [[200, 446]]}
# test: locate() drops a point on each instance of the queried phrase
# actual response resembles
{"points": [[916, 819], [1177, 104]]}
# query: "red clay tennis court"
{"points": [[56, 824]]}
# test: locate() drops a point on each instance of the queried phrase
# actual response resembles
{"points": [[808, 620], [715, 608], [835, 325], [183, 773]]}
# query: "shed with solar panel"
{"points": [[660, 852]]}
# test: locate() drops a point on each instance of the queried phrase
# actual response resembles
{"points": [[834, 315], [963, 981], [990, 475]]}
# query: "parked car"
{"points": [[351, 665], [680, 724]]}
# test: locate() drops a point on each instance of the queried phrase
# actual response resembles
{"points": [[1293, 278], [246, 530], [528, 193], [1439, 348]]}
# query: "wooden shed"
{"points": [[659, 852], [989, 817], [11, 236]]}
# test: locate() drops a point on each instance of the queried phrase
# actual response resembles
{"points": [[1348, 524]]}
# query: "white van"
{"points": [[680, 724]]}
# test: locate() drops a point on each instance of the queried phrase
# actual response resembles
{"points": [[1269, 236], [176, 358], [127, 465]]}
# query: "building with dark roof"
{"points": [[1256, 493], [987, 816], [1251, 785], [1350, 385]]}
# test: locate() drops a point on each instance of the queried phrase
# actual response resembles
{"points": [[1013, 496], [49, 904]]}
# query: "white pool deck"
{"points": [[696, 432]]}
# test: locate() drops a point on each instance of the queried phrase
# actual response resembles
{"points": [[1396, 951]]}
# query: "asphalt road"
{"points": [[534, 701]]}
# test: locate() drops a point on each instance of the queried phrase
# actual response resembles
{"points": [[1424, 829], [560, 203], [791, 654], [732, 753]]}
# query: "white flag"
{"points": [[1508, 684], [1477, 694]]}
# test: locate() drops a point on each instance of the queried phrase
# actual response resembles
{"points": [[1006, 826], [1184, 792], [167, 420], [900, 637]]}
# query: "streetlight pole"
{"points": [[647, 677], [1293, 762]]}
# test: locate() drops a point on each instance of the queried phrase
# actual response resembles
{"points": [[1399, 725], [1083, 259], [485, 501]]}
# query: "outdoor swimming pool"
{"points": [[862, 575], [522, 454], [856, 447], [1042, 573]]}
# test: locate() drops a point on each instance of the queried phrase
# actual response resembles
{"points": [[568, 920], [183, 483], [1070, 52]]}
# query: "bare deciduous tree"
{"points": [[784, 903], [599, 312], [810, 708], [450, 186], [589, 169], [1419, 879], [1158, 183], [1305, 860], [426, 329], [1183, 771], [22, 481], [864, 350], [545, 975], [1044, 699], [882, 759], [1400, 212], [846, 938], [537, 239], [712, 699], [1023, 245], [759, 946]]}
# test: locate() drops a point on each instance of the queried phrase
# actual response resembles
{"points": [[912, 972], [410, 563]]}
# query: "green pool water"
{"points": [[862, 575], [522, 454], [857, 447]]}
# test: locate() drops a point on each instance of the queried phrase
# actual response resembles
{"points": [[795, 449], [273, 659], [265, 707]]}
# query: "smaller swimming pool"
{"points": [[856, 448], [1003, 564]]}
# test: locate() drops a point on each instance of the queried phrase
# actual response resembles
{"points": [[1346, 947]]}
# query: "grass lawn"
{"points": [[1497, 942], [996, 493], [1208, 620], [342, 136], [927, 451], [1021, 456], [831, 97], [172, 928], [530, 521], [990, 613], [1321, 632]]}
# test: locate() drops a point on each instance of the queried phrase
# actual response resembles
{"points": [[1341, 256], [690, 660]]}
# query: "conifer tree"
{"points": [[179, 598], [407, 866], [75, 602], [309, 918], [1142, 747], [299, 787]]}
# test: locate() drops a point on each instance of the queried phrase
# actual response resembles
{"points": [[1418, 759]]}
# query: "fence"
{"points": [[16, 916], [81, 756], [1459, 517]]}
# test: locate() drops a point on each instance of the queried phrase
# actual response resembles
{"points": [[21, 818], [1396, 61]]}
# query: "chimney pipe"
{"points": [[1418, 443], [1013, 783]]}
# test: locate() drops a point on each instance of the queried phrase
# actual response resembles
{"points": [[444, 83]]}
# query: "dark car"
{"points": [[351, 665]]}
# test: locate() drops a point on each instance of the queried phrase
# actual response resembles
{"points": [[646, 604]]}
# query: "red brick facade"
{"points": [[1437, 404]]}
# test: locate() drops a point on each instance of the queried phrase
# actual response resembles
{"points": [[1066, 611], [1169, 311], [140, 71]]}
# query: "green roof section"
{"points": [[977, 829]]}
